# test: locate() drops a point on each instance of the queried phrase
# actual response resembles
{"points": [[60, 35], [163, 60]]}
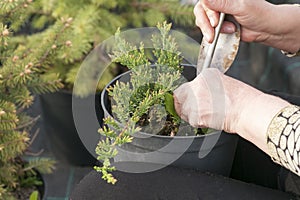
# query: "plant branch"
{"points": [[28, 123], [34, 136]]}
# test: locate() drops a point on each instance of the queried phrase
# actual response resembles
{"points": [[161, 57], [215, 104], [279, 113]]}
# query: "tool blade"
{"points": [[225, 51]]}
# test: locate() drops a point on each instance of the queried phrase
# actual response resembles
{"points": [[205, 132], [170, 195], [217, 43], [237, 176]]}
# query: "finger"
{"points": [[177, 104], [228, 27], [225, 6], [186, 111], [203, 22], [179, 109], [212, 16]]}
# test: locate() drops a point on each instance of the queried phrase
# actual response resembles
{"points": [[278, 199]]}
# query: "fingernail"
{"points": [[229, 29]]}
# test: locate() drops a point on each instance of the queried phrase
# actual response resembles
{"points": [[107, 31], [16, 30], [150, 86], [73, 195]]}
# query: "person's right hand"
{"points": [[261, 21]]}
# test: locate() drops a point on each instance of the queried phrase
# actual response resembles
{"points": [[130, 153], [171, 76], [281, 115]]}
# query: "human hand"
{"points": [[213, 100], [247, 13], [220, 102], [261, 21]]}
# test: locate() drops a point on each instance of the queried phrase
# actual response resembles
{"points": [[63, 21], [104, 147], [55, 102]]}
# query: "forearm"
{"points": [[284, 26], [256, 118], [252, 114], [277, 134]]}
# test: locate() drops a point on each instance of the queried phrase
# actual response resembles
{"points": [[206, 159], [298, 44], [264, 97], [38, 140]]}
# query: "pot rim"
{"points": [[106, 112]]}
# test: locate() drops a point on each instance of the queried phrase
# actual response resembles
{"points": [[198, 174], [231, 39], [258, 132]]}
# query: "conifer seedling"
{"points": [[146, 100]]}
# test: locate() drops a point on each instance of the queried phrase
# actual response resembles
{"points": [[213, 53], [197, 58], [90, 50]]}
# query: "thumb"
{"points": [[225, 6]]}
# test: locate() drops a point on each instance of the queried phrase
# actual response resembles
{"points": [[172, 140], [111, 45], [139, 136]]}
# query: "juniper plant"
{"points": [[142, 103]]}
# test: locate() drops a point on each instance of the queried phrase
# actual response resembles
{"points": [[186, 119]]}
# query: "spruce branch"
{"points": [[181, 14], [23, 61], [92, 22], [10, 7], [65, 24], [13, 144], [8, 116], [15, 12]]}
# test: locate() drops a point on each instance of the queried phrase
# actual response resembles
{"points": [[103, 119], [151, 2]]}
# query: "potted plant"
{"points": [[90, 22], [142, 125], [21, 75]]}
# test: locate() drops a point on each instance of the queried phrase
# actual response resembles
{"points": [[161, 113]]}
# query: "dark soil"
{"points": [[24, 193]]}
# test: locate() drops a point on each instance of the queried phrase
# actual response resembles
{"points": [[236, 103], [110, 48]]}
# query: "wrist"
{"points": [[256, 117]]}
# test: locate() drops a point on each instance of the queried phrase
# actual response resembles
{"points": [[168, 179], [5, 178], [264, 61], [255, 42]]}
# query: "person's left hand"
{"points": [[220, 102], [213, 100]]}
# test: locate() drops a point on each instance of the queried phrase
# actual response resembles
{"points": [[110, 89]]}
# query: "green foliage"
{"points": [[19, 10], [169, 102], [43, 165], [34, 195], [88, 23], [24, 59], [149, 12], [146, 100]]}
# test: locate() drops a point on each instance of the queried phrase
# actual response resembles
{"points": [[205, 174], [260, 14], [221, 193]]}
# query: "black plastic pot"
{"points": [[43, 189], [64, 140], [213, 152]]}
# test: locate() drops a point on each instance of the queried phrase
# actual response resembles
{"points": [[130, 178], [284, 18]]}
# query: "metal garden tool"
{"points": [[219, 54], [222, 51]]}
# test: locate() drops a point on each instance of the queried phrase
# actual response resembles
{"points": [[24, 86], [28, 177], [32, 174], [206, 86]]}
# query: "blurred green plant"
{"points": [[22, 73], [91, 22]]}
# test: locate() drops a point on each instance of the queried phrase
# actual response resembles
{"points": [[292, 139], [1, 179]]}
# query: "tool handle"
{"points": [[212, 46]]}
